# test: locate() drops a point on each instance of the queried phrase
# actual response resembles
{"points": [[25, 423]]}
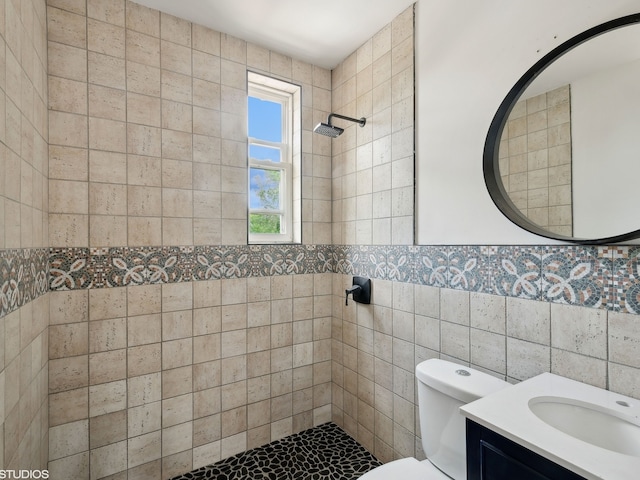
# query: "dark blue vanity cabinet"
{"points": [[491, 456]]}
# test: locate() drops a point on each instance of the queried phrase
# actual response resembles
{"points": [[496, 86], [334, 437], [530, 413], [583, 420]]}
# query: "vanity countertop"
{"points": [[507, 413]]}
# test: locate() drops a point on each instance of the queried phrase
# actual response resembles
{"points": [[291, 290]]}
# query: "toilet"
{"points": [[443, 387]]}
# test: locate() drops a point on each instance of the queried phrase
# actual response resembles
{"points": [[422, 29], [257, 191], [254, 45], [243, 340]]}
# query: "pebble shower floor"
{"points": [[319, 453]]}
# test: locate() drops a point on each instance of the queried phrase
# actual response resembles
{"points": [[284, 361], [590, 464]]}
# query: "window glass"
{"points": [[263, 152], [264, 223], [273, 161], [265, 119], [265, 186]]}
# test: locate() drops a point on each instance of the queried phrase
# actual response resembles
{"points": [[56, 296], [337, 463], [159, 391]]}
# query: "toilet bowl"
{"points": [[406, 469], [443, 387]]}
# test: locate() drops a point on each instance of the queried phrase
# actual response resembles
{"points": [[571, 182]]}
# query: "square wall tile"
{"points": [[108, 460], [108, 429], [488, 350], [529, 320], [144, 449], [624, 339], [580, 330], [526, 360], [68, 439], [579, 367]]}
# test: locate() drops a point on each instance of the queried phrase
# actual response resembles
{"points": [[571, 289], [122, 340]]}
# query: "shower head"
{"points": [[328, 130], [332, 131]]}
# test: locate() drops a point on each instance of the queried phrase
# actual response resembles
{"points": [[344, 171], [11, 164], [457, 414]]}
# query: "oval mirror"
{"points": [[562, 156]]}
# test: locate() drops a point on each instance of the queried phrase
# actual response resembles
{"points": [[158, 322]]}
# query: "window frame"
{"points": [[284, 93]]}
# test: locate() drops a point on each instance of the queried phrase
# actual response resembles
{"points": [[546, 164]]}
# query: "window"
{"points": [[274, 160]]}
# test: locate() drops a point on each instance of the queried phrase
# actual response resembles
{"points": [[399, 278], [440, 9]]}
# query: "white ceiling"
{"points": [[321, 32]]}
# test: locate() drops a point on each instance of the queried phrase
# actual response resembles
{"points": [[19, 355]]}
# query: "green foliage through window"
{"points": [[265, 193], [264, 223]]}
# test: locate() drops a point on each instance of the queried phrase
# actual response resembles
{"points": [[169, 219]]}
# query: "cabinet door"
{"points": [[490, 456]]}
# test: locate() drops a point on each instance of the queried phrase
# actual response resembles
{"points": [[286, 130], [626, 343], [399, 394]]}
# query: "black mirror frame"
{"points": [[490, 165]]}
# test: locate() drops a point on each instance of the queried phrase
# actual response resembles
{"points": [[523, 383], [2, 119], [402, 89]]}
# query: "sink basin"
{"points": [[608, 428], [590, 431]]}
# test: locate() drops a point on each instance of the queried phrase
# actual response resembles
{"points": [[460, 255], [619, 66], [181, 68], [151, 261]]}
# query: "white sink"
{"points": [[595, 424], [588, 430]]}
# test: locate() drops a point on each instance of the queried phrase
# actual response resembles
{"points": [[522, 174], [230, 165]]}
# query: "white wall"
{"points": [[606, 150], [468, 56]]}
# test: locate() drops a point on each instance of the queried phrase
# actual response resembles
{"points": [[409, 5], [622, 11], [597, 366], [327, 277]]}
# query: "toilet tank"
{"points": [[443, 387]]}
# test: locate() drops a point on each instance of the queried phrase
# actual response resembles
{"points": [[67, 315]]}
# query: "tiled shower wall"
{"points": [[535, 159], [373, 204], [148, 129], [24, 307], [373, 181], [153, 373], [159, 379]]}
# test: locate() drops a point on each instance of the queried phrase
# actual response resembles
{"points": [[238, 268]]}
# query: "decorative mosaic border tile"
{"points": [[624, 280], [23, 277], [74, 268], [606, 277]]}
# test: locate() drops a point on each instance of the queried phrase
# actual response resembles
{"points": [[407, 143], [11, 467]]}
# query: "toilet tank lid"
{"points": [[443, 376]]}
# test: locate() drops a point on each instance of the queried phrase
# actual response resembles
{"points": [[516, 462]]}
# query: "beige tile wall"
{"points": [[160, 379], [23, 226], [24, 125], [373, 166], [376, 347], [148, 129], [535, 159], [148, 148]]}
